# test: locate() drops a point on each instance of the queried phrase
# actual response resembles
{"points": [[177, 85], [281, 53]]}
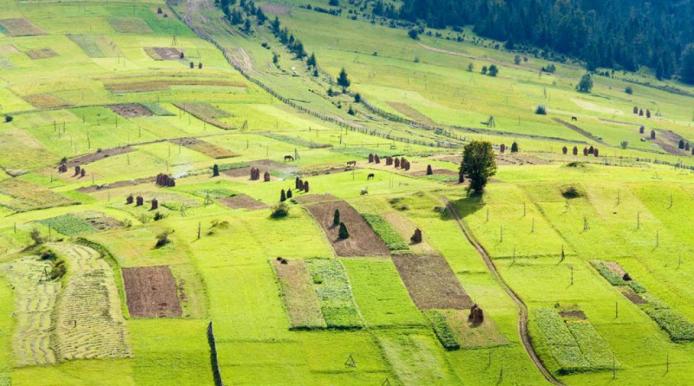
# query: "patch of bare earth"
{"points": [[41, 53], [151, 292], [362, 240], [264, 165], [131, 110], [163, 53], [207, 113], [242, 201], [519, 159], [431, 282], [116, 185], [20, 27], [98, 155], [204, 147], [412, 113], [45, 101], [632, 296], [573, 314], [669, 141], [275, 9]]}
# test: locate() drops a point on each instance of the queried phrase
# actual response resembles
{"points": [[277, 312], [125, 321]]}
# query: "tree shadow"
{"points": [[465, 206]]}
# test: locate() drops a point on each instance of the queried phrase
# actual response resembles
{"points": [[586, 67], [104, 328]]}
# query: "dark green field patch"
{"points": [[335, 294], [68, 224], [383, 229], [574, 344]]}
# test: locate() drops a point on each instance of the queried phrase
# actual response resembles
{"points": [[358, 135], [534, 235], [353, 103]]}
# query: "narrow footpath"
{"points": [[522, 308]]}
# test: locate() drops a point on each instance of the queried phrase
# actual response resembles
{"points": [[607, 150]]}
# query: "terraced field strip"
{"points": [[362, 241], [300, 299], [88, 319], [34, 302], [581, 131], [151, 292], [522, 308], [431, 282]]}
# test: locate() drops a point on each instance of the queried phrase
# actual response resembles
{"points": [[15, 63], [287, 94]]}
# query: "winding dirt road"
{"points": [[522, 308]]}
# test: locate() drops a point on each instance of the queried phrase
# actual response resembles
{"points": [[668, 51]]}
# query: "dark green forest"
{"points": [[621, 34]]}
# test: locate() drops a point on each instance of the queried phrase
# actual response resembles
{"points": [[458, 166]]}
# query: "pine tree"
{"points": [[585, 85], [343, 80], [336, 217]]}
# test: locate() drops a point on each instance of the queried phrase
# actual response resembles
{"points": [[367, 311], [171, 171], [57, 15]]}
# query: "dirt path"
{"points": [[583, 132], [522, 308]]}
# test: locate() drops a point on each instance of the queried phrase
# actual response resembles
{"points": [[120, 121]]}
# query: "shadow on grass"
{"points": [[465, 207]]}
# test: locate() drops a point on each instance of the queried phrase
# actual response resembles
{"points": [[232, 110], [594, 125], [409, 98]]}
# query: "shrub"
{"points": [[280, 211], [571, 192], [541, 110], [162, 239], [629, 90]]}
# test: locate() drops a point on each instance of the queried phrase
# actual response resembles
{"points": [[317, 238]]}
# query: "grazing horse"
{"points": [[288, 158], [371, 176], [352, 164], [574, 119]]}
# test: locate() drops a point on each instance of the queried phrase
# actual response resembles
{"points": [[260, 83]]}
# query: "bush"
{"points": [[162, 239], [280, 211], [571, 192], [541, 110], [629, 90]]}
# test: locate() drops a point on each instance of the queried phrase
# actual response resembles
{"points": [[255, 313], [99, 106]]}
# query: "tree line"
{"points": [[621, 34]]}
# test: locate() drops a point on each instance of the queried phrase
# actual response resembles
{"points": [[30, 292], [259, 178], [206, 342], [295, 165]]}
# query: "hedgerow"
{"points": [[386, 232], [442, 329]]}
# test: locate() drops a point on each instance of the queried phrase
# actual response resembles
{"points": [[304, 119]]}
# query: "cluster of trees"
{"points": [[623, 34], [492, 70], [242, 14], [285, 37]]}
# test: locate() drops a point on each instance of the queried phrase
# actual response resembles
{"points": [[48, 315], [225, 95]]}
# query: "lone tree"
{"points": [[514, 147], [343, 234], [343, 80], [493, 70], [430, 171], [585, 84], [336, 217], [478, 164], [283, 196], [215, 170]]}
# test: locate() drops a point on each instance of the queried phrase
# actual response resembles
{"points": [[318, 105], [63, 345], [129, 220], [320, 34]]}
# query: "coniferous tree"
{"points": [[343, 80]]}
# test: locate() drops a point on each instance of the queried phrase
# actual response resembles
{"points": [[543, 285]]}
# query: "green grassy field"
{"points": [[102, 99]]}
